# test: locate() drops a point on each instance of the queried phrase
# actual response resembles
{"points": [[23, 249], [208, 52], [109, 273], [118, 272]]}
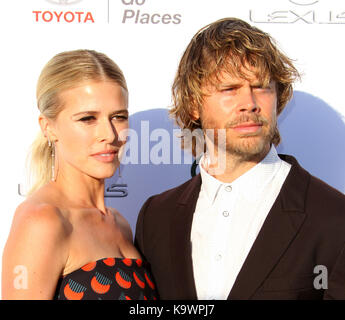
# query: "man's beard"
{"points": [[247, 146]]}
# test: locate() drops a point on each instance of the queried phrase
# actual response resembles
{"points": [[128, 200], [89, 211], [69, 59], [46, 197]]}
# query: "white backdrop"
{"points": [[146, 38]]}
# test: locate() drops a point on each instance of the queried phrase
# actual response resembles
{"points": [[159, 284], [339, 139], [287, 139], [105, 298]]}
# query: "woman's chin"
{"points": [[105, 174]]}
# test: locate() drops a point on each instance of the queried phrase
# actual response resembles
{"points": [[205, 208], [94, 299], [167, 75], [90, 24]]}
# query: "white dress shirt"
{"points": [[227, 220]]}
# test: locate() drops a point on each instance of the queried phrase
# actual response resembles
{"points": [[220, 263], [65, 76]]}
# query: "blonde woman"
{"points": [[63, 238]]}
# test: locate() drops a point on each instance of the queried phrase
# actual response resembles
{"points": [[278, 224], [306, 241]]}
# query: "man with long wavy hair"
{"points": [[253, 224]]}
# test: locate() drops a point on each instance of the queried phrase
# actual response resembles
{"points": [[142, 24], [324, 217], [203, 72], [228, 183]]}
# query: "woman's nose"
{"points": [[107, 132]]}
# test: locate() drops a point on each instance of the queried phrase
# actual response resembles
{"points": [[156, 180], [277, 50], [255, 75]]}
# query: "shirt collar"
{"points": [[250, 184]]}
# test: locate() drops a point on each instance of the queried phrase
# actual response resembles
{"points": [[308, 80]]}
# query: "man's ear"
{"points": [[195, 113], [47, 128]]}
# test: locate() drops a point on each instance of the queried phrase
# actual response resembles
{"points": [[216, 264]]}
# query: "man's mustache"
{"points": [[245, 118]]}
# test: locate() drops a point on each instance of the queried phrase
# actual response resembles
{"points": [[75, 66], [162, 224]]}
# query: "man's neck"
{"points": [[227, 167]]}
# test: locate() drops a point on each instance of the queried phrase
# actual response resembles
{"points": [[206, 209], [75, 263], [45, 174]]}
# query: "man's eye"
{"points": [[229, 89], [263, 87]]}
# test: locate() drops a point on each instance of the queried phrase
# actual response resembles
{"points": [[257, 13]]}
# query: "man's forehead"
{"points": [[225, 78], [243, 75]]}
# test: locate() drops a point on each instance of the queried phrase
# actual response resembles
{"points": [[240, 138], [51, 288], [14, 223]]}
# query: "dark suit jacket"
{"points": [[304, 228]]}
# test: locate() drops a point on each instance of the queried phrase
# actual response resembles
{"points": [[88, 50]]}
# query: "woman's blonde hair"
{"points": [[64, 71], [230, 45]]}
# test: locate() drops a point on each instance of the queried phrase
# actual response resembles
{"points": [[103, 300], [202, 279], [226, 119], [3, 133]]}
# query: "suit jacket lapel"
{"points": [[279, 229], [181, 252]]}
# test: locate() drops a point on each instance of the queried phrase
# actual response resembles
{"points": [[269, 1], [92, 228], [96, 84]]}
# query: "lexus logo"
{"points": [[304, 2]]}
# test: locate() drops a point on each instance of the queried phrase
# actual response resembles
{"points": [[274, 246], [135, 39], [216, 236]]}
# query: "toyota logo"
{"points": [[63, 2]]}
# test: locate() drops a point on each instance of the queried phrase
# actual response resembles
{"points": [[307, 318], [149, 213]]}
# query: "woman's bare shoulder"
{"points": [[38, 240], [45, 204], [42, 215]]}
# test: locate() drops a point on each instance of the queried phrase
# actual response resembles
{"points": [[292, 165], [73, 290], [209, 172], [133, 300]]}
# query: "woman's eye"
{"points": [[120, 117], [86, 119]]}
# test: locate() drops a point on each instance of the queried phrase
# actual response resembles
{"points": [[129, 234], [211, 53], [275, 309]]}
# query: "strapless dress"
{"points": [[108, 279]]}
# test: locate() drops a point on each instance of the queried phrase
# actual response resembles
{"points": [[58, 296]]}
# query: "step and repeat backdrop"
{"points": [[146, 38]]}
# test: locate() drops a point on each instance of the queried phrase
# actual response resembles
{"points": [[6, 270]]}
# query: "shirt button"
{"points": [[225, 213], [218, 257], [228, 188]]}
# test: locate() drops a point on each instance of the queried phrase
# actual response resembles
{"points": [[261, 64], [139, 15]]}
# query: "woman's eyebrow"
{"points": [[92, 112], [85, 112]]}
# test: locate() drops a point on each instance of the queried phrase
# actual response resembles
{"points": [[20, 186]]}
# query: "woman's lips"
{"points": [[105, 157]]}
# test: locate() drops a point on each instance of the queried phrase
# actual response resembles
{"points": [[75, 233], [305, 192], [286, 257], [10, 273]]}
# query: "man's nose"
{"points": [[248, 101]]}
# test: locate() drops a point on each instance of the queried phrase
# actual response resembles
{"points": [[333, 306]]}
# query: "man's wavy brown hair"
{"points": [[234, 46]]}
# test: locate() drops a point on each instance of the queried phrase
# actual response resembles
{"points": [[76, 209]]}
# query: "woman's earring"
{"points": [[52, 145], [120, 171], [53, 162]]}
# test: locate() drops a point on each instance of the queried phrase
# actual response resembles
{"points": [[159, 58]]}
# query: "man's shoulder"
{"points": [[159, 208], [179, 191], [169, 198], [325, 190], [326, 204], [316, 190]]}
